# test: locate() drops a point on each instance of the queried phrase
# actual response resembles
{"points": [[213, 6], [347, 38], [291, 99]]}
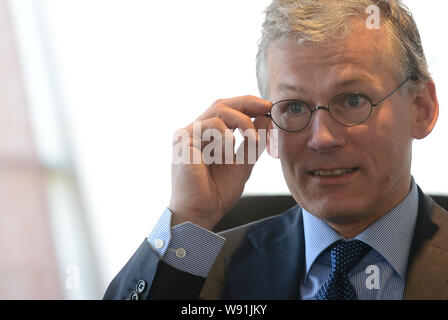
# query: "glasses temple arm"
{"points": [[381, 100]]}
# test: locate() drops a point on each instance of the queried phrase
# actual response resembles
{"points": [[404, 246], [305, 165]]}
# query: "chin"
{"points": [[337, 211], [341, 218]]}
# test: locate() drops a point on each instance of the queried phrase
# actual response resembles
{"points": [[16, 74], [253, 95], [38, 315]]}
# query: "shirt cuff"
{"points": [[187, 246]]}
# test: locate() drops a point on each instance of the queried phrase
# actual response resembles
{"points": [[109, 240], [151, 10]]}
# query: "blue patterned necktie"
{"points": [[344, 256]]}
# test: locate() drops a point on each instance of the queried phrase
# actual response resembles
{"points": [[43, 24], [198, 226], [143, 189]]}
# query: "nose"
{"points": [[325, 133]]}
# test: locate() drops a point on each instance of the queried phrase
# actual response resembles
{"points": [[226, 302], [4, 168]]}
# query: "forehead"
{"points": [[361, 56]]}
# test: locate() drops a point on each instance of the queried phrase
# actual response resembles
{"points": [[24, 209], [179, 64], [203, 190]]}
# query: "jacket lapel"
{"points": [[427, 274], [269, 265]]}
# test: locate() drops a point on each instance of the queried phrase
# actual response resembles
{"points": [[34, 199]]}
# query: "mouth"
{"points": [[332, 173]]}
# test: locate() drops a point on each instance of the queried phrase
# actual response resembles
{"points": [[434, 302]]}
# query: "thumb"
{"points": [[250, 150], [262, 124]]}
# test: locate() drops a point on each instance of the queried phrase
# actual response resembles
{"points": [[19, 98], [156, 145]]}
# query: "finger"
{"points": [[198, 128], [233, 119], [261, 124], [217, 144], [245, 159], [250, 105], [195, 138], [250, 150]]}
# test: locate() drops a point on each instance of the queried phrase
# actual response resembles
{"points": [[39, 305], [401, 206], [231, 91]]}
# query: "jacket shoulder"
{"points": [[427, 275]]}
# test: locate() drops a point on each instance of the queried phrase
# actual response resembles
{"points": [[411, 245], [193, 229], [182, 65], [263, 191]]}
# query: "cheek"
{"points": [[290, 146], [291, 149], [388, 142]]}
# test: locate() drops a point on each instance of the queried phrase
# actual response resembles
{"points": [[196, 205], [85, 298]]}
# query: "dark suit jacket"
{"points": [[265, 260]]}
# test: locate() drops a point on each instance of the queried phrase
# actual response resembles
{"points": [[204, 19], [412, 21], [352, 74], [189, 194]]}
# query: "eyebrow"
{"points": [[283, 86]]}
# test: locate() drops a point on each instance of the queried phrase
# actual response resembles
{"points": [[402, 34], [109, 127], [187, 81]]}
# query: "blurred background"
{"points": [[91, 92]]}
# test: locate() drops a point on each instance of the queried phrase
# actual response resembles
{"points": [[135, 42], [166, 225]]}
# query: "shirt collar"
{"points": [[390, 235]]}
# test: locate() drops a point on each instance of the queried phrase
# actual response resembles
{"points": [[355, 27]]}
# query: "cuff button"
{"points": [[180, 253], [141, 286], [159, 244], [133, 295]]}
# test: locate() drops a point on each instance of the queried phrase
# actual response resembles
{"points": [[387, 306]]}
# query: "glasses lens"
{"points": [[350, 109], [291, 115]]}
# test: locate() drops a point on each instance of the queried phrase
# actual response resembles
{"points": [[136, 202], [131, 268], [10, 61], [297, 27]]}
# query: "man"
{"points": [[351, 91]]}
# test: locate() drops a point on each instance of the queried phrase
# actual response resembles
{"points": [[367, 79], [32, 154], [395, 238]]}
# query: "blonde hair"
{"points": [[320, 21]]}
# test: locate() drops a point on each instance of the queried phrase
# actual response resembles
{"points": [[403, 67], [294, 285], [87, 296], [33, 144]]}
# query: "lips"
{"points": [[336, 172]]}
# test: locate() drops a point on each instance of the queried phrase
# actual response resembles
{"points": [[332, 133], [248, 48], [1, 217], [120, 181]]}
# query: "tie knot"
{"points": [[346, 254]]}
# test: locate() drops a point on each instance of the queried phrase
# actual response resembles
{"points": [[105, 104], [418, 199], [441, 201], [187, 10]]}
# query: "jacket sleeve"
{"points": [[145, 276]]}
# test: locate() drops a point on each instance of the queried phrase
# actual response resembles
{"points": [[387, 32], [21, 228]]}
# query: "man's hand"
{"points": [[203, 193]]}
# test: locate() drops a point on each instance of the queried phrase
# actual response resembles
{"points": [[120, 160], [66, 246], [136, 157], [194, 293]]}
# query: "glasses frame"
{"points": [[317, 107]]}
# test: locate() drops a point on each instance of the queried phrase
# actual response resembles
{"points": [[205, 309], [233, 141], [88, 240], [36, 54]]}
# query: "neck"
{"points": [[349, 229]]}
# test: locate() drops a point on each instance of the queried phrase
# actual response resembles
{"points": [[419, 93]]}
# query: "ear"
{"points": [[272, 142], [426, 111]]}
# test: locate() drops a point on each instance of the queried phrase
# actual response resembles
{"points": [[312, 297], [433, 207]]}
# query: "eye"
{"points": [[297, 107], [350, 101], [353, 100]]}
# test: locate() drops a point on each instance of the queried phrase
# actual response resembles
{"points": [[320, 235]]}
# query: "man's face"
{"points": [[377, 151]]}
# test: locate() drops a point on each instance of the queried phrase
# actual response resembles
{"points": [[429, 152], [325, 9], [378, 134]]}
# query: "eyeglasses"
{"points": [[348, 109]]}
